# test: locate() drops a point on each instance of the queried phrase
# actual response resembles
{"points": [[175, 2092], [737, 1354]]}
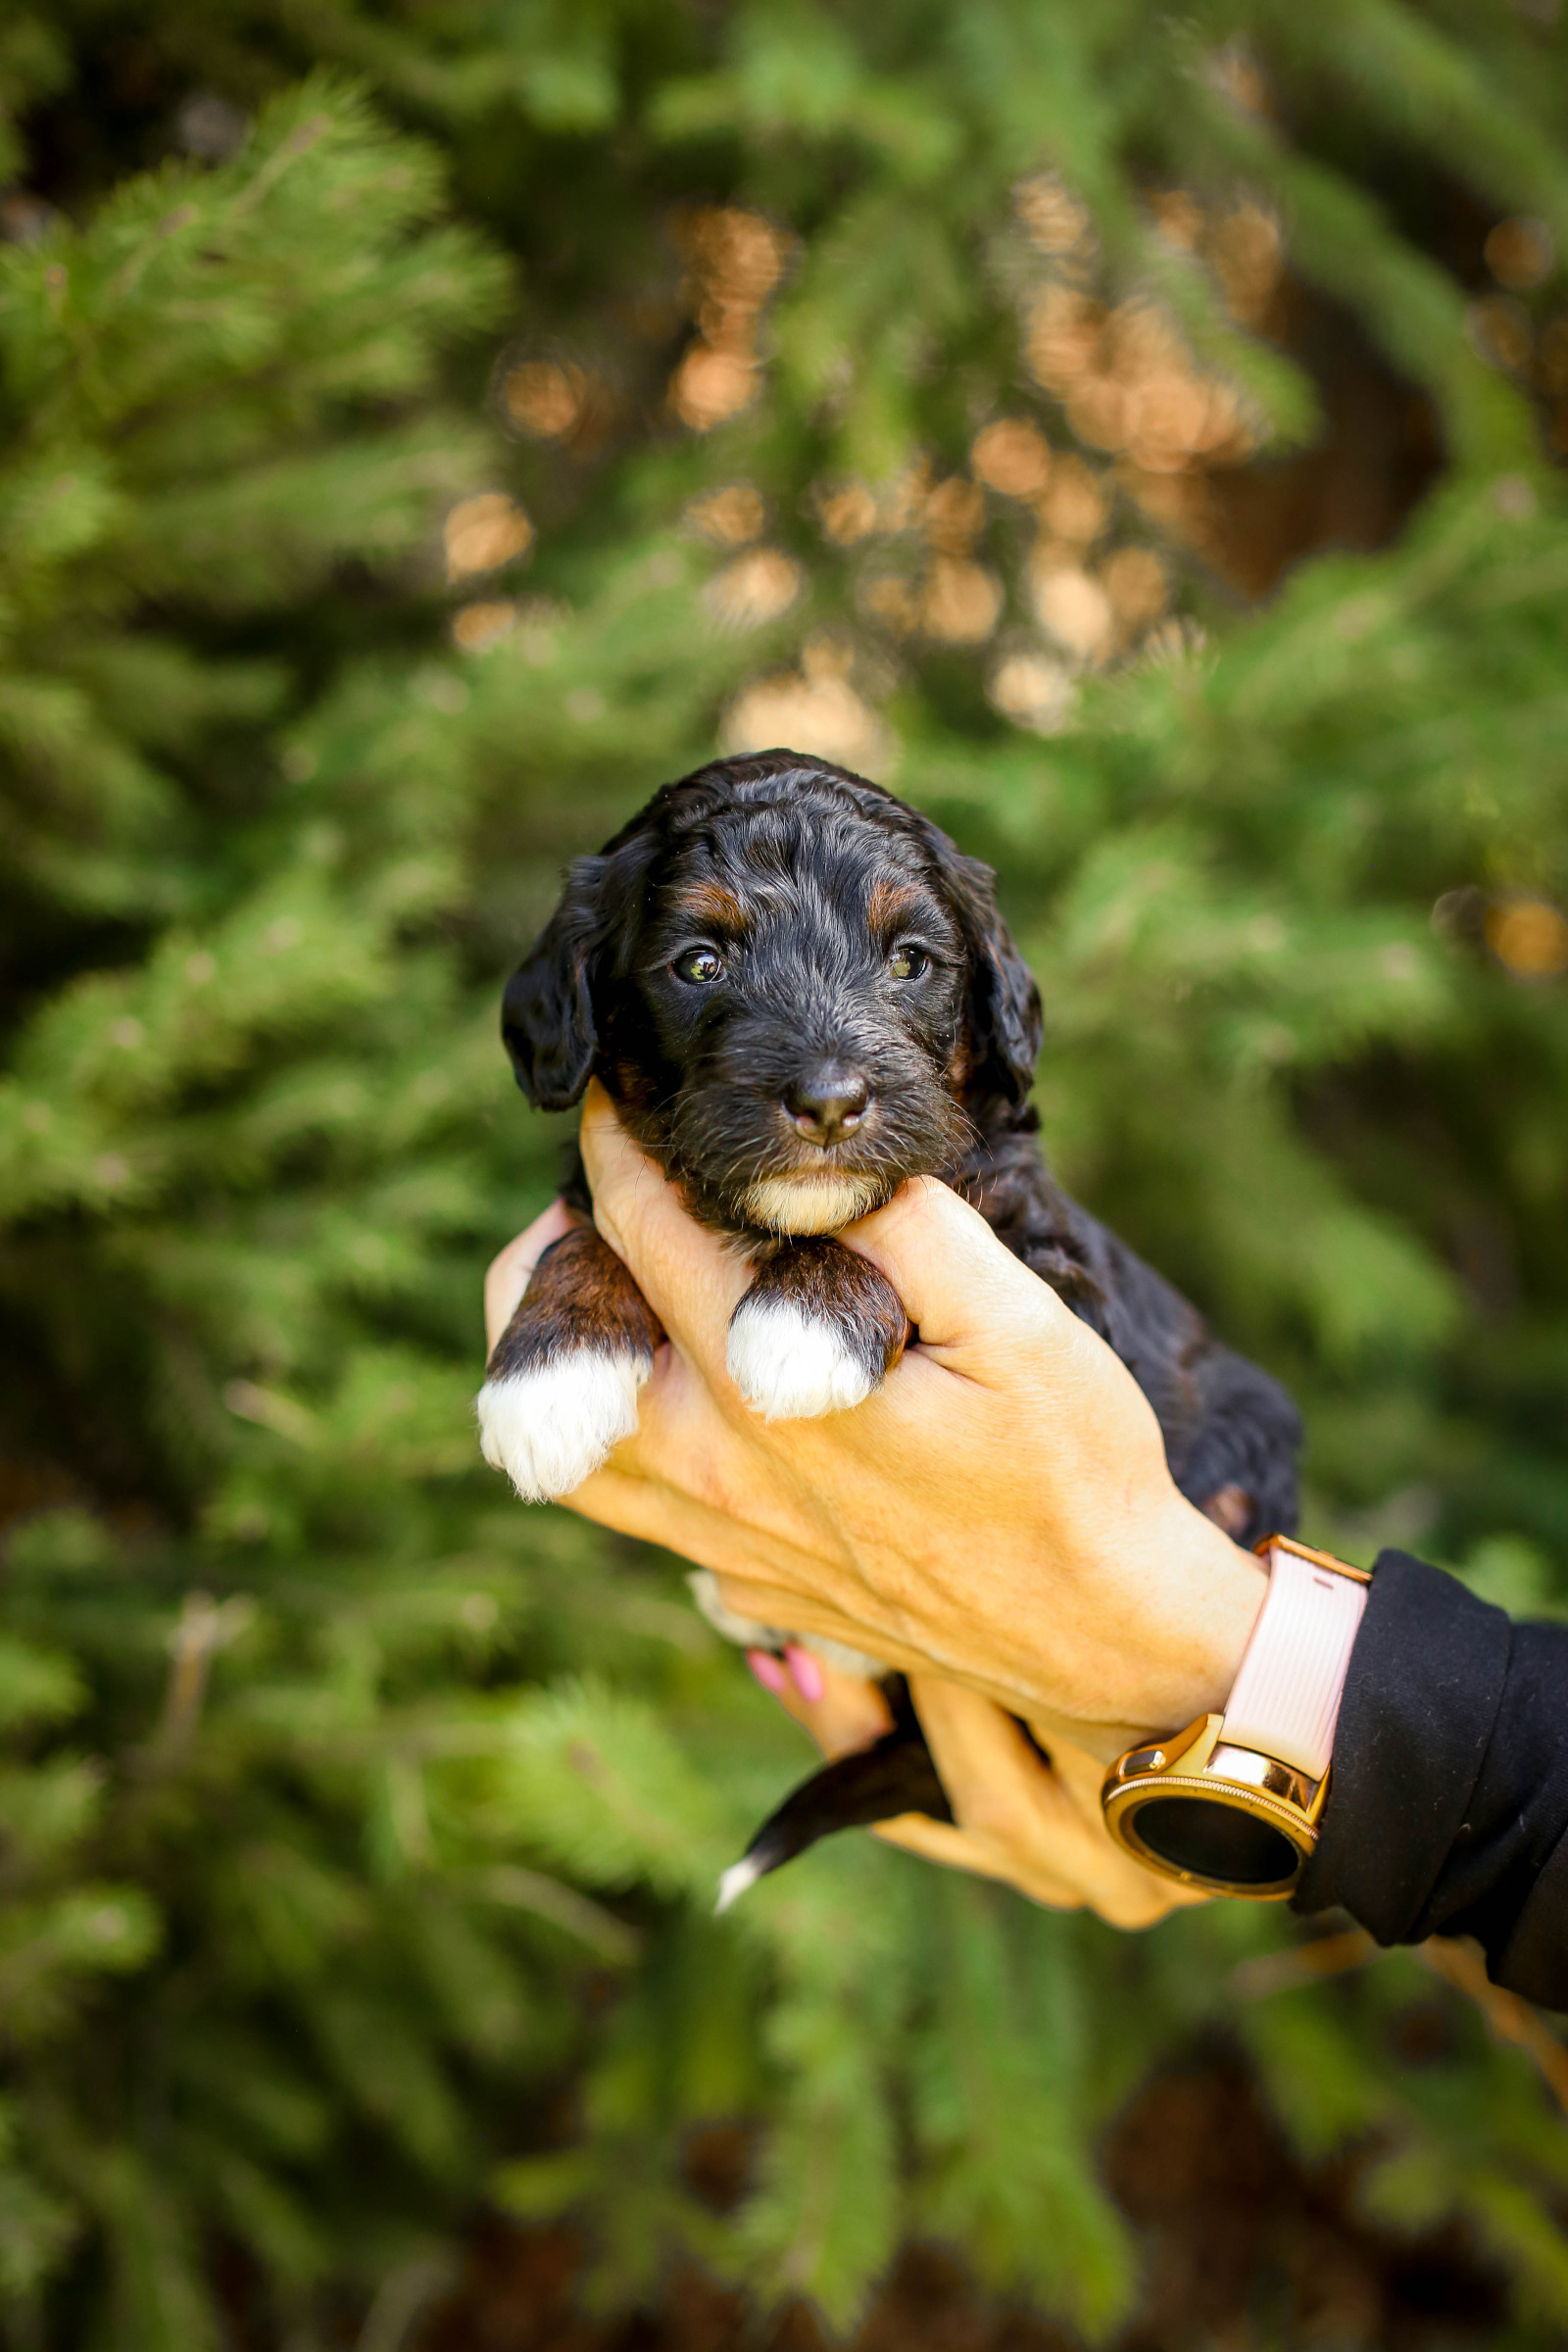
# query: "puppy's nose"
{"points": [[827, 1103]]}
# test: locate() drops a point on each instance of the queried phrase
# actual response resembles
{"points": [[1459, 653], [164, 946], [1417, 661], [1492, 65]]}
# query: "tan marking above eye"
{"points": [[711, 906], [891, 904]]}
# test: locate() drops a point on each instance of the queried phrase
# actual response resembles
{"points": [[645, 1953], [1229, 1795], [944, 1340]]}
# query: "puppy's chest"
{"points": [[812, 1291], [1004, 1178]]}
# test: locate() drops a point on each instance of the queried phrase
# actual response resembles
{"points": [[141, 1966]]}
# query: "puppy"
{"points": [[798, 993]]}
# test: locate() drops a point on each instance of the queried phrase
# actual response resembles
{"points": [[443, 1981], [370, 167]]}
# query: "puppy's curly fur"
{"points": [[798, 993]]}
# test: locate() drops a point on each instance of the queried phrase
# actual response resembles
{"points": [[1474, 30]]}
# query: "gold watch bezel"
{"points": [[1198, 1762]]}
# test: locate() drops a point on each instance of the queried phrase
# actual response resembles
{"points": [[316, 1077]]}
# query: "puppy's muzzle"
{"points": [[827, 1103]]}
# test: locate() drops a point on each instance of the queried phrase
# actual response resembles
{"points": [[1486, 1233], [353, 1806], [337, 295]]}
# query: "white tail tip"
{"points": [[733, 1885]]}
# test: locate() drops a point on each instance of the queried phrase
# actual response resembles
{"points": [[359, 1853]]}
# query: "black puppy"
{"points": [[798, 993]]}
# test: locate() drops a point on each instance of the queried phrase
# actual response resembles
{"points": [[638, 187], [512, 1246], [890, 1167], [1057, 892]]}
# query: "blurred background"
{"points": [[1134, 434]]}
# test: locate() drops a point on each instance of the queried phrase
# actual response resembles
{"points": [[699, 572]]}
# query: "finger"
{"points": [[1042, 1828], [755, 1593], [1134, 1895], [966, 1292], [634, 1501], [986, 1762], [1006, 1812], [779, 1595], [849, 1711], [507, 1275], [688, 1276], [775, 1593], [960, 1849]]}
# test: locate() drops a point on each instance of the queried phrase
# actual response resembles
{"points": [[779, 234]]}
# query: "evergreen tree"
{"points": [[395, 486]]}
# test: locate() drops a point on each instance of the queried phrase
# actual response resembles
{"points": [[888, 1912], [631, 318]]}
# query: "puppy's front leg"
{"points": [[817, 1331], [560, 1386]]}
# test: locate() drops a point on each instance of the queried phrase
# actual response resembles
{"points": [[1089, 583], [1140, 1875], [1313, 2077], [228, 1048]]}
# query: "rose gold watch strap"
{"points": [[1286, 1699]]}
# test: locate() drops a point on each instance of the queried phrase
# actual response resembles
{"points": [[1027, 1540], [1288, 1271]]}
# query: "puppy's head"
{"points": [[797, 990]]}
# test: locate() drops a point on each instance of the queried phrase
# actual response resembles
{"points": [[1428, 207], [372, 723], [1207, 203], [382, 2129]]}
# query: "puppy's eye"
{"points": [[698, 967], [907, 962]]}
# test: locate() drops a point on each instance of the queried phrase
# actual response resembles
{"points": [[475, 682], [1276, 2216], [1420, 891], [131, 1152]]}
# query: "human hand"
{"points": [[1002, 1510], [1036, 1826]]}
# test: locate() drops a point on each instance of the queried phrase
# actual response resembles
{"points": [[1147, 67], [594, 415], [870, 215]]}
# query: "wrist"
{"points": [[1230, 1801], [1162, 1604], [1209, 1595]]}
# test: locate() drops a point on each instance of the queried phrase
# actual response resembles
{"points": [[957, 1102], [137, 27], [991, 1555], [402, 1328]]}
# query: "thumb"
{"points": [[509, 1274], [688, 1275], [973, 1303]]}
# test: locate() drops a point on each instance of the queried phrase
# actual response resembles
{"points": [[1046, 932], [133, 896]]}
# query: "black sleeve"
{"points": [[1447, 1807]]}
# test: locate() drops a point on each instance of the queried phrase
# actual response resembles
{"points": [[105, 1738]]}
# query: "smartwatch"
{"points": [[1232, 1804]]}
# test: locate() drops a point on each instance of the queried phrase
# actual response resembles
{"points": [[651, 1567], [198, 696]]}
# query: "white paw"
{"points": [[790, 1367], [550, 1428]]}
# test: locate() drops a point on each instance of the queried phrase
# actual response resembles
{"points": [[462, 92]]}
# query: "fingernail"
{"points": [[804, 1671], [767, 1670]]}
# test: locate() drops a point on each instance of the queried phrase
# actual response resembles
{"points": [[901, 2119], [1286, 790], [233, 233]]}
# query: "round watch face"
{"points": [[1217, 1841]]}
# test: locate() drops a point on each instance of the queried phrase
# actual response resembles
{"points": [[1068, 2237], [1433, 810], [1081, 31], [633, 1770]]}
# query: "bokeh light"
{"points": [[1134, 581], [1013, 457], [485, 532], [478, 626], [734, 260], [960, 603], [757, 587], [1520, 254], [731, 515], [545, 397], [1072, 607], [1528, 937], [847, 512], [1056, 221], [818, 704], [1073, 507], [1032, 691]]}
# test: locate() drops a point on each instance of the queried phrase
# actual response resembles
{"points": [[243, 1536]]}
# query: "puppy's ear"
{"points": [[547, 1013], [1005, 1022]]}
